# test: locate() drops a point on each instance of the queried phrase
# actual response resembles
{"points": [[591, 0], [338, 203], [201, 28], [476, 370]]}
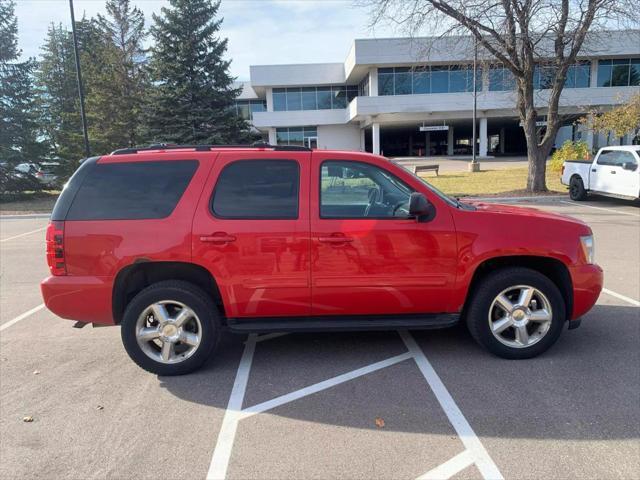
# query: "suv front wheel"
{"points": [[516, 313], [170, 328]]}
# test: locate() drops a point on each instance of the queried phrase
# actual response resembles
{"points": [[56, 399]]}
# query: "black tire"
{"points": [[489, 287], [191, 296], [576, 189]]}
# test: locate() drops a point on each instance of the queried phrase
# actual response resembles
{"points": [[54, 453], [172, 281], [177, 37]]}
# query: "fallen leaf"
{"points": [[99, 407], [36, 372], [379, 422], [27, 419]]}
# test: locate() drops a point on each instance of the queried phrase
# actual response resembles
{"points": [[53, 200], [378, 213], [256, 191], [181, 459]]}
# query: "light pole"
{"points": [[474, 166], [87, 150]]}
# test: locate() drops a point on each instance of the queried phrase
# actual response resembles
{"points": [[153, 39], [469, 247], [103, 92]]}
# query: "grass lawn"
{"points": [[504, 183], [28, 202]]}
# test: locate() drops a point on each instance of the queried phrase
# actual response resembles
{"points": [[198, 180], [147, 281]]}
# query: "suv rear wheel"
{"points": [[516, 313], [170, 328]]}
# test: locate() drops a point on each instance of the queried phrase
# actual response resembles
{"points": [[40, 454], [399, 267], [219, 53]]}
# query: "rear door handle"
{"points": [[613, 172], [594, 170], [218, 238], [335, 239]]}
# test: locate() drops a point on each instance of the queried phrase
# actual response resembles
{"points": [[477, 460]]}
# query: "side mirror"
{"points": [[630, 166], [420, 207]]}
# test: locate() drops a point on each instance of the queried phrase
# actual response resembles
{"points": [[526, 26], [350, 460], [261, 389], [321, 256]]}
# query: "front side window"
{"points": [[360, 190], [132, 190], [257, 189]]}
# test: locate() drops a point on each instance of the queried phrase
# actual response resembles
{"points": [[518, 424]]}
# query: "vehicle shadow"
{"points": [[585, 387]]}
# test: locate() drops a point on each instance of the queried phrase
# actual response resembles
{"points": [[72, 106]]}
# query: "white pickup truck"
{"points": [[613, 172]]}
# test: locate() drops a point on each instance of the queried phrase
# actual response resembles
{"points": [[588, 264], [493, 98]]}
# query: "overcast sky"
{"points": [[259, 31]]}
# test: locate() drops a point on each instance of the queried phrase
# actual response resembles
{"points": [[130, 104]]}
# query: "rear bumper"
{"points": [[87, 299], [587, 283]]}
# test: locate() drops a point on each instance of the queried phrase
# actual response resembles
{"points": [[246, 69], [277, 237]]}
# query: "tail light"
{"points": [[55, 248], [39, 175]]}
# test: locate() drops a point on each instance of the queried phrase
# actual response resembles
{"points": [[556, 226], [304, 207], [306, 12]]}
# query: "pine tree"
{"points": [[59, 96], [19, 130], [193, 92], [120, 86]]}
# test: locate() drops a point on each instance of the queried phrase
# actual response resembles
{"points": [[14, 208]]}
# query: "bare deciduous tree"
{"points": [[520, 34]]}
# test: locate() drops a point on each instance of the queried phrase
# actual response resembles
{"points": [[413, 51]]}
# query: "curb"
{"points": [[515, 199], [25, 215]]}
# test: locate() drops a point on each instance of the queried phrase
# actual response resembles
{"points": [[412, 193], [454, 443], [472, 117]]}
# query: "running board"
{"points": [[342, 323]]}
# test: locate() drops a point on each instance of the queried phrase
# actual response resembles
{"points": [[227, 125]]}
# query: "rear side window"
{"points": [[132, 191], [257, 189]]}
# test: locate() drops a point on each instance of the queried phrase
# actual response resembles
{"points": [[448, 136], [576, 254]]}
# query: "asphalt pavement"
{"points": [[399, 405]]}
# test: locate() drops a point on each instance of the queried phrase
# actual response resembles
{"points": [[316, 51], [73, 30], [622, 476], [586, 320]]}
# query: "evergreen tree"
{"points": [[119, 88], [20, 138], [192, 96], [59, 97]]}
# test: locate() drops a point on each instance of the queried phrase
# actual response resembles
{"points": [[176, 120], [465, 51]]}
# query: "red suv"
{"points": [[176, 244]]}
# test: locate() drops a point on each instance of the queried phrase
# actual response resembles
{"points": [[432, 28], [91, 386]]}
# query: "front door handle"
{"points": [[218, 238], [613, 172], [335, 239]]}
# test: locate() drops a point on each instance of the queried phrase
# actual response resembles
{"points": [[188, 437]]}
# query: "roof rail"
{"points": [[207, 148]]}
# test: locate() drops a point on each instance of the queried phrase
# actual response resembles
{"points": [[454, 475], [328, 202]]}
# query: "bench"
{"points": [[425, 168]]}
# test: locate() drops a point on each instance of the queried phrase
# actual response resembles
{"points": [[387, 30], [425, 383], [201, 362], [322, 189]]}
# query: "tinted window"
{"points": [[128, 191], [359, 190], [257, 189]]}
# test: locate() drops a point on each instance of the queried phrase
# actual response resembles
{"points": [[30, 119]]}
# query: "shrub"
{"points": [[569, 151]]}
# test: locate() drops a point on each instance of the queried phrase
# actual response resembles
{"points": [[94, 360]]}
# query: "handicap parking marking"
{"points": [[474, 452]]}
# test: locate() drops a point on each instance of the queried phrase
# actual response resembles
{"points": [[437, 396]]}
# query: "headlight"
{"points": [[588, 248]]}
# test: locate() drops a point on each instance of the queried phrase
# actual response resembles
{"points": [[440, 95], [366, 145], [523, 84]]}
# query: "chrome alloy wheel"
{"points": [[168, 331], [520, 316]]}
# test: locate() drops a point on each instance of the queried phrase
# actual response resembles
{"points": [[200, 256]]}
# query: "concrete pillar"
{"points": [[269, 95], [484, 141], [273, 139], [373, 82], [375, 138], [502, 139], [427, 144], [450, 141], [593, 74]]}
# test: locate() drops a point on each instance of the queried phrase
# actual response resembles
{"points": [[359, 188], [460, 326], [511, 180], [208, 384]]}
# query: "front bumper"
{"points": [[82, 298], [587, 283]]}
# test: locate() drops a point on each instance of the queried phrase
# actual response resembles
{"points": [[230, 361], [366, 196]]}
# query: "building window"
{"points": [[246, 108], [436, 79], [578, 76], [313, 98], [295, 135], [619, 73], [363, 86]]}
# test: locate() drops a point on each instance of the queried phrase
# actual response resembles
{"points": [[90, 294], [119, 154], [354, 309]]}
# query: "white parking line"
{"points": [[21, 317], [488, 469], [600, 208], [621, 297], [474, 452], [23, 234]]}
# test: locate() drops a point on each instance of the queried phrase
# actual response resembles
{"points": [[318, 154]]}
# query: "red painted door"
{"points": [[251, 231], [368, 257]]}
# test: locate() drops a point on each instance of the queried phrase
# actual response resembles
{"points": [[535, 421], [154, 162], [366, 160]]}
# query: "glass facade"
{"points": [[435, 79], [313, 98], [246, 108], [619, 73], [295, 135], [578, 76]]}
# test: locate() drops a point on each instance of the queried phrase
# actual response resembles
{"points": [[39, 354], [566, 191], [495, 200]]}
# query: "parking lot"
{"points": [[405, 405]]}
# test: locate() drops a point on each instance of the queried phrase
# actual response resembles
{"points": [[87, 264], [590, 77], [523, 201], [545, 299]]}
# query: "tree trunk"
{"points": [[536, 178]]}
